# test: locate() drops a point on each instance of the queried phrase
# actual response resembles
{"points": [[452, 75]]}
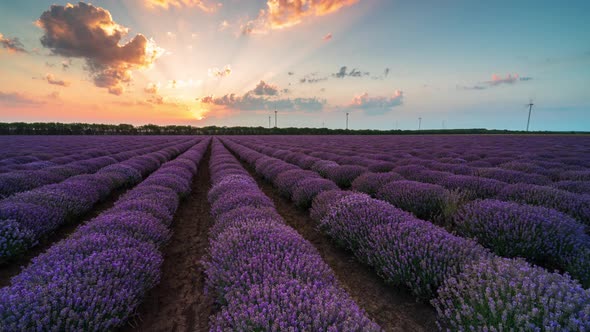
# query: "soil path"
{"points": [[393, 309], [13, 267], [178, 303]]}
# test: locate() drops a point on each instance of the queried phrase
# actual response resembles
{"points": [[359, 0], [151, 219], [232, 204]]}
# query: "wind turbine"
{"points": [[530, 105], [346, 120]]}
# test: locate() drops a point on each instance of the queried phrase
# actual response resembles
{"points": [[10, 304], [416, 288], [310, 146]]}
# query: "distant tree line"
{"points": [[56, 128]]}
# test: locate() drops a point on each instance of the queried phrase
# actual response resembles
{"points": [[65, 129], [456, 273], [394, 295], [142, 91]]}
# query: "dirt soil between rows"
{"points": [[392, 308], [179, 302], [14, 266]]}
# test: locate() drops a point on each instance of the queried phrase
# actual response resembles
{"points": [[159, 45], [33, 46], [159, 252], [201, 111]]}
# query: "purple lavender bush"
{"points": [[578, 187], [230, 184], [473, 186], [324, 201], [95, 279], [151, 206], [512, 295], [292, 306], [258, 252], [240, 199], [138, 225], [289, 180], [424, 200], [264, 275], [351, 219], [322, 167], [370, 183], [76, 285], [344, 175], [576, 175], [14, 239], [577, 206], [543, 236], [511, 176], [381, 167], [308, 189], [243, 216], [165, 196], [419, 255]]}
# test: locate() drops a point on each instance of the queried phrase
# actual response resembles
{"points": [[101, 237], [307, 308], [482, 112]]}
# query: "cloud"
{"points": [[282, 14], [166, 4], [55, 95], [88, 32], [13, 45], [327, 37], [287, 13], [54, 81], [156, 99], [377, 105], [220, 73], [253, 101], [264, 89], [152, 88], [224, 25], [17, 99], [497, 80], [66, 64], [250, 102], [312, 78], [343, 72], [382, 76]]}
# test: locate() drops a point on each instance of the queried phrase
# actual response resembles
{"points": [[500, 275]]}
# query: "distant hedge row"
{"points": [[55, 128]]}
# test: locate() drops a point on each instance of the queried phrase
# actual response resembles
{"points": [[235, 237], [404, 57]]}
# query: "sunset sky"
{"points": [[463, 63]]}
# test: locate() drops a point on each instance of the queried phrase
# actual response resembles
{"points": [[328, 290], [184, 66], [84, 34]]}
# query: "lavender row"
{"points": [[433, 263], [22, 152], [435, 202], [19, 181], [474, 187], [514, 172], [40, 152], [349, 218], [542, 236], [557, 157], [26, 217], [95, 279], [264, 275]]}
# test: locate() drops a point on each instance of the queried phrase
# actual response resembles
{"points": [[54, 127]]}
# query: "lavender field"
{"points": [[295, 233]]}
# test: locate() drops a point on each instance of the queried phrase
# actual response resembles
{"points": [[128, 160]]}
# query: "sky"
{"points": [[389, 64]]}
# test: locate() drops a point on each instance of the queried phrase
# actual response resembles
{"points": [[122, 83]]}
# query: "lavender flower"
{"points": [[543, 236], [510, 294], [371, 183], [424, 200], [308, 189], [577, 206]]}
